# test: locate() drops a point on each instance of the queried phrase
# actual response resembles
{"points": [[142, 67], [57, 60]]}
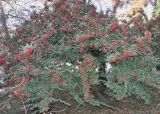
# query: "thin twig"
{"points": [[11, 88], [58, 111], [4, 106], [25, 109]]}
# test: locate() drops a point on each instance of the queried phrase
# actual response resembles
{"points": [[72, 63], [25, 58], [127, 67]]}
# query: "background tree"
{"points": [[4, 30]]}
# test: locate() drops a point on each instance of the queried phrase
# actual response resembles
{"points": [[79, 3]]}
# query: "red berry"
{"points": [[24, 95], [26, 60], [2, 62], [26, 80], [91, 45], [27, 68], [115, 44], [82, 48], [81, 68], [19, 58], [38, 51], [56, 80], [28, 52], [17, 94], [116, 58], [2, 55], [40, 41], [129, 54], [148, 36], [125, 32], [89, 62], [114, 27], [47, 36]]}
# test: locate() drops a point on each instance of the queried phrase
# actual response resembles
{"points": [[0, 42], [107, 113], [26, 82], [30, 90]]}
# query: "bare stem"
{"points": [[25, 109]]}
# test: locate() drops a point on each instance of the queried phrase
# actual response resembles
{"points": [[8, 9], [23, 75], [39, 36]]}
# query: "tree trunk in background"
{"points": [[4, 32]]}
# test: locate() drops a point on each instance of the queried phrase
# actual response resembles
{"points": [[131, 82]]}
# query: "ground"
{"points": [[126, 106]]}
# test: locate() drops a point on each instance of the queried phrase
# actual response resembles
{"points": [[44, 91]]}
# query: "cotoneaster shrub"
{"points": [[60, 55]]}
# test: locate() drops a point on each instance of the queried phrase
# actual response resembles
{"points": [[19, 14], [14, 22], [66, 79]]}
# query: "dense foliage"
{"points": [[64, 52]]}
